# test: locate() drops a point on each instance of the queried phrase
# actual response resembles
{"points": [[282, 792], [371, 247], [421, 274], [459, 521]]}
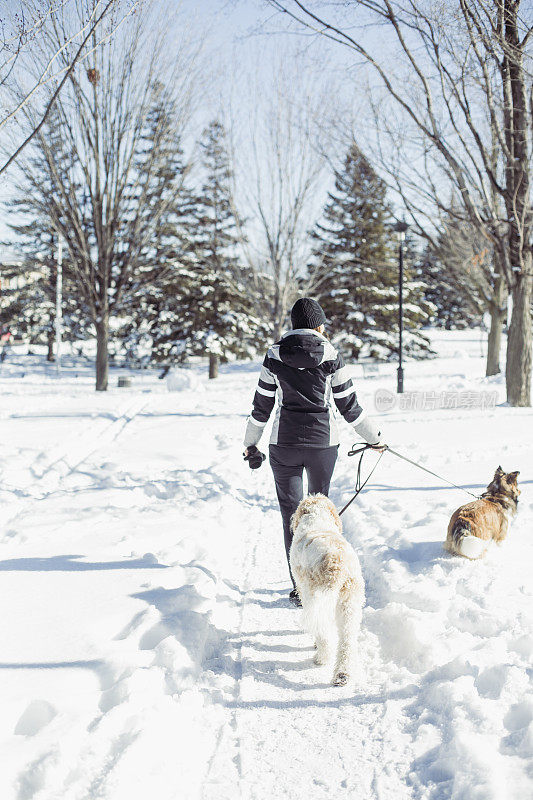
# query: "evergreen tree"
{"points": [[224, 323], [205, 302], [154, 315], [455, 305], [355, 274], [29, 303], [29, 299]]}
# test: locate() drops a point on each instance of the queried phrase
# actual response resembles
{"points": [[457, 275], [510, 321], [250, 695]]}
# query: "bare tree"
{"points": [[463, 83], [31, 25], [109, 156], [469, 244], [279, 176], [471, 263]]}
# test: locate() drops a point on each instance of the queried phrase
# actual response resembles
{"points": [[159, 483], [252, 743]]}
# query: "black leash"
{"points": [[360, 451]]}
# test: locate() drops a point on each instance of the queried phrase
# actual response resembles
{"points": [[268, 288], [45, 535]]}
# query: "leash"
{"points": [[415, 464], [360, 451]]}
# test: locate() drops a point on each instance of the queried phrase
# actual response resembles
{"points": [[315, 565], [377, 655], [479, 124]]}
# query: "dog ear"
{"points": [[499, 472], [512, 476]]}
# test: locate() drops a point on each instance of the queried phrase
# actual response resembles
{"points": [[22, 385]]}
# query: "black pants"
{"points": [[288, 464]]}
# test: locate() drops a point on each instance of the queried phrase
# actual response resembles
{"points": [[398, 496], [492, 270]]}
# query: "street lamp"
{"points": [[59, 300], [401, 229]]}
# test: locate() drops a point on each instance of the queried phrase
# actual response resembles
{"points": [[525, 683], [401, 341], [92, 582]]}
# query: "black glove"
{"points": [[255, 457]]}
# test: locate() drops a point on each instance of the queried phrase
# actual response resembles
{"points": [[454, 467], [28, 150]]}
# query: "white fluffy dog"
{"points": [[329, 582]]}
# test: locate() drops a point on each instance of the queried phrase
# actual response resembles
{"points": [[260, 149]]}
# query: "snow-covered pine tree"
{"points": [[153, 317], [28, 302], [28, 305], [355, 271], [217, 317], [455, 303]]}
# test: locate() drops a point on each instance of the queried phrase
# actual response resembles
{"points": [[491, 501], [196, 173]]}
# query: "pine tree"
{"points": [[355, 273], [29, 300], [155, 316], [209, 285], [28, 305], [455, 305]]}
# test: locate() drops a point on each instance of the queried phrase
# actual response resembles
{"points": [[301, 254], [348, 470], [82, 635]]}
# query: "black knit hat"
{"points": [[307, 313]]}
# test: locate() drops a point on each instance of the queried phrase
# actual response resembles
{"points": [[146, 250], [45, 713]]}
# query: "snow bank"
{"points": [[180, 380]]}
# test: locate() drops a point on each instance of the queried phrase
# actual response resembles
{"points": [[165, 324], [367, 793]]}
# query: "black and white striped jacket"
{"points": [[306, 373]]}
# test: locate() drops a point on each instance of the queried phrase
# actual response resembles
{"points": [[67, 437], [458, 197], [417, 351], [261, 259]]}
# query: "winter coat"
{"points": [[307, 374]]}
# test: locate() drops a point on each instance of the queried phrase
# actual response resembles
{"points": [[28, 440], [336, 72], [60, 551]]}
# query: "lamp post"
{"points": [[59, 301], [401, 229]]}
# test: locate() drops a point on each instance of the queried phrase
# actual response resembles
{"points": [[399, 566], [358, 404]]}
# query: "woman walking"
{"points": [[306, 372]]}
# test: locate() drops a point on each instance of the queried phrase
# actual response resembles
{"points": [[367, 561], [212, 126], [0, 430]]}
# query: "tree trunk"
{"points": [[213, 365], [518, 366], [518, 206], [498, 316], [50, 341], [494, 342], [276, 311], [102, 361]]}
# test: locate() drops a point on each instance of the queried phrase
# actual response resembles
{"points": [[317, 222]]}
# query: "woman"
{"points": [[306, 372]]}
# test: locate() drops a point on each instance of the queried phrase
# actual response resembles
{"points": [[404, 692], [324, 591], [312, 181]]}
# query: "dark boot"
{"points": [[294, 598]]}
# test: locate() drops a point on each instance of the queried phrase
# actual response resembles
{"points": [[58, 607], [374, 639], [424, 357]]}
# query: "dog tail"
{"points": [[471, 547], [464, 543]]}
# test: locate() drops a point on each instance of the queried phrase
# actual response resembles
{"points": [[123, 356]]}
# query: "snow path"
{"points": [[148, 645]]}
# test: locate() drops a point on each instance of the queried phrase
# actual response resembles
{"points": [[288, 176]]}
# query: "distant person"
{"points": [[305, 371]]}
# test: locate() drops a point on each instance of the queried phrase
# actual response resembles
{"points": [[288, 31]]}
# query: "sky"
{"points": [[247, 53], [233, 39], [241, 60]]}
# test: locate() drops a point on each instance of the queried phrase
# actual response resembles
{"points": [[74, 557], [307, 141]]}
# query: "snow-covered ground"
{"points": [[148, 648]]}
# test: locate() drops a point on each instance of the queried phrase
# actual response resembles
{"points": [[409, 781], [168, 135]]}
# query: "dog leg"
{"points": [[349, 613], [317, 611], [322, 655]]}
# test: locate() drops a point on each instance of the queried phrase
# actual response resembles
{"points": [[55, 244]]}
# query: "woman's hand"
{"points": [[254, 457]]}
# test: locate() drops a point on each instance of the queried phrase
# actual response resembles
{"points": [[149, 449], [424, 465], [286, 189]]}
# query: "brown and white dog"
{"points": [[329, 583], [474, 525]]}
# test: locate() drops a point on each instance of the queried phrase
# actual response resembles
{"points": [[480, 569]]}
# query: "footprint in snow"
{"points": [[519, 716], [491, 681], [523, 646], [36, 716]]}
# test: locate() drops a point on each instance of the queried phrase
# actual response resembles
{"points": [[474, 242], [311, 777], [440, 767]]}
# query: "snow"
{"points": [[148, 645], [182, 379]]}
